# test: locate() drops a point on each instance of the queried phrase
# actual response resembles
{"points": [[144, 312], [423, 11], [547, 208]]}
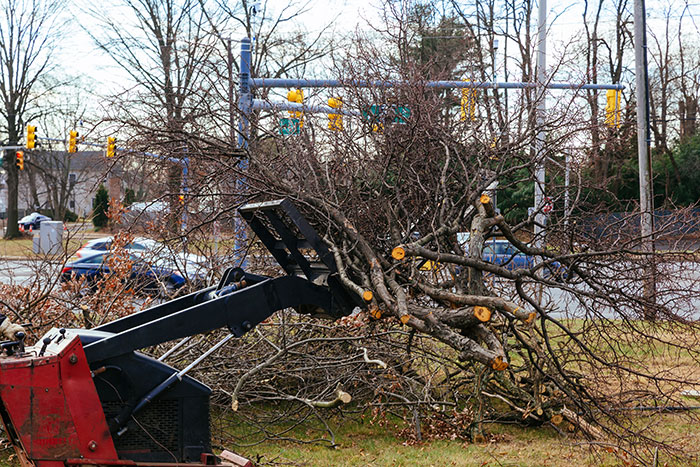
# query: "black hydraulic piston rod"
{"points": [[121, 421]]}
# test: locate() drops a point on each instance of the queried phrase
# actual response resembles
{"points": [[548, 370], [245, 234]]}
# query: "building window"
{"points": [[72, 179]]}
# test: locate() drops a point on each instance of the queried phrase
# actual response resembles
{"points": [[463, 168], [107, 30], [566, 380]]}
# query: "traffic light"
{"points": [[31, 137], [111, 146], [336, 120], [468, 103], [612, 108], [73, 141], [20, 160], [181, 198], [297, 96]]}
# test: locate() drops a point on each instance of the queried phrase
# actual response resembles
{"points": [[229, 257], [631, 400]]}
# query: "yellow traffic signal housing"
{"points": [[20, 160], [296, 96], [612, 108], [468, 104], [181, 198], [336, 120], [31, 137], [111, 146], [73, 141]]}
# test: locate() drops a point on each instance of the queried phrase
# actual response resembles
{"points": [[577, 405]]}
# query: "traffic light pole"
{"points": [[245, 107], [247, 104]]}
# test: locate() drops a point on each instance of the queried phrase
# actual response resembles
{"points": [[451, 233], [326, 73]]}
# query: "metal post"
{"points": [[245, 97], [245, 101], [540, 175], [646, 199], [231, 96], [505, 72]]}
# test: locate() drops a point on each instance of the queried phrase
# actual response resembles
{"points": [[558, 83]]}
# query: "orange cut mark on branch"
{"points": [[398, 253], [405, 318], [367, 295], [485, 199], [499, 364], [531, 317], [482, 313], [375, 313]]}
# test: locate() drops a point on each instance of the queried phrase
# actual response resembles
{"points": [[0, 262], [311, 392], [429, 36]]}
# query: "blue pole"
{"points": [[245, 103], [245, 97], [335, 83]]}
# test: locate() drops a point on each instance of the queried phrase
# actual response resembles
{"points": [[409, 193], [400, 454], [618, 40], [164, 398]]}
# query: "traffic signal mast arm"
{"points": [[293, 107], [246, 103], [259, 104], [334, 83]]}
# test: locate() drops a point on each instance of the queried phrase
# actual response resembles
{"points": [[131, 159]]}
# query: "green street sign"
{"points": [[401, 114], [289, 126]]}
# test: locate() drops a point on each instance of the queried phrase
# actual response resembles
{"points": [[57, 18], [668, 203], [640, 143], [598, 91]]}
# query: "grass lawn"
{"points": [[375, 446], [22, 247], [365, 444], [19, 247]]}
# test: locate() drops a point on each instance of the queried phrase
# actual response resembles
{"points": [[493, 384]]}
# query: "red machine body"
{"points": [[51, 408], [52, 412]]}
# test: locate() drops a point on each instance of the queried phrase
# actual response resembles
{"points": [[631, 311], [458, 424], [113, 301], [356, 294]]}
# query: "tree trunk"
{"points": [[12, 230]]}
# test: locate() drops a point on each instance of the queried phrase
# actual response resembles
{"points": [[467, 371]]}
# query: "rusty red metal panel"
{"points": [[37, 409], [95, 440], [53, 406]]}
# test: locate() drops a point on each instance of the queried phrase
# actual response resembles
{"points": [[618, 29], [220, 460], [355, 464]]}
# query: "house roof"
{"points": [[82, 161]]}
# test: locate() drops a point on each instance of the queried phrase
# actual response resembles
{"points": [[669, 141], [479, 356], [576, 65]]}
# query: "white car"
{"points": [[32, 221], [195, 267]]}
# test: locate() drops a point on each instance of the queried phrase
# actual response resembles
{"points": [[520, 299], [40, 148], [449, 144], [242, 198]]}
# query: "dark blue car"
{"points": [[505, 254], [146, 277]]}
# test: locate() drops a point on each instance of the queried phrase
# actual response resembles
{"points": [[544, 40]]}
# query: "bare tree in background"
{"points": [[165, 48], [281, 48], [28, 33]]}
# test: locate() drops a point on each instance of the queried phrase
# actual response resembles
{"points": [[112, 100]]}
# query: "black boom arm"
{"points": [[240, 311], [242, 300]]}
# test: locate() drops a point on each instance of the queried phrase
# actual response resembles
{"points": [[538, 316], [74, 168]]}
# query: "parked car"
{"points": [[505, 254], [32, 221], [151, 277], [146, 211], [150, 250], [100, 245]]}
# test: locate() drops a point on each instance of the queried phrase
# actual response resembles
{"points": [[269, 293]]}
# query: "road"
{"points": [[678, 289], [26, 272]]}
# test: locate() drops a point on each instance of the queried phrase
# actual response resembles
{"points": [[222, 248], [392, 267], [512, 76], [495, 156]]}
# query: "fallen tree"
{"points": [[551, 332]]}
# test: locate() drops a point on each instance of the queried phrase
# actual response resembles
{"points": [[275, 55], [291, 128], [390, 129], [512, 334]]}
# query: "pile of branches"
{"points": [[408, 211]]}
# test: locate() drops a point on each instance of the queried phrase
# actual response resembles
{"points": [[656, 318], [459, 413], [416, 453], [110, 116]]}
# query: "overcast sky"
{"points": [[564, 19]]}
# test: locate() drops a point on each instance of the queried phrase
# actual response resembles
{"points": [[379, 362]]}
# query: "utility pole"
{"points": [[231, 96], [646, 199], [541, 89]]}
